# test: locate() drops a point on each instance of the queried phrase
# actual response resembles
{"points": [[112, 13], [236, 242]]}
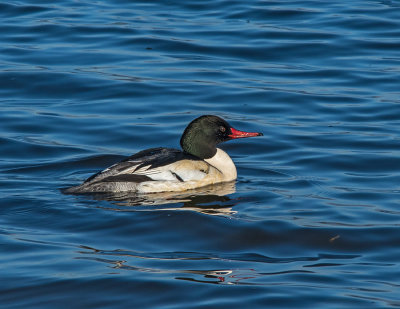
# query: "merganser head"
{"points": [[203, 134]]}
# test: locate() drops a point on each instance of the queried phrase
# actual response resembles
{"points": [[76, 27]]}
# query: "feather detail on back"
{"points": [[152, 170], [150, 163]]}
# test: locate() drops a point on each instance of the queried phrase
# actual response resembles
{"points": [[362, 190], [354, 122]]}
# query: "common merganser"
{"points": [[153, 170]]}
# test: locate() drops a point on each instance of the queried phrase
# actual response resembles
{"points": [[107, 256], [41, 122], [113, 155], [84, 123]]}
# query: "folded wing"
{"points": [[156, 164]]}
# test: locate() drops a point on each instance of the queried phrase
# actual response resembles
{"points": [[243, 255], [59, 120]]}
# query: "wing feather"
{"points": [[154, 164]]}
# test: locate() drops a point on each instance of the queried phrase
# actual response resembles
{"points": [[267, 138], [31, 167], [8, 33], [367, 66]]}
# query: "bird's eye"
{"points": [[222, 129]]}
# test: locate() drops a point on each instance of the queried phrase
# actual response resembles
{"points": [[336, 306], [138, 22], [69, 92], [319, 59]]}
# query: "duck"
{"points": [[200, 163]]}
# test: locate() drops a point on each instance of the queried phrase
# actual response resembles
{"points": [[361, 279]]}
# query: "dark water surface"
{"points": [[314, 217]]}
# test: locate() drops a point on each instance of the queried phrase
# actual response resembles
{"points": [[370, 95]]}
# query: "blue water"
{"points": [[313, 220]]}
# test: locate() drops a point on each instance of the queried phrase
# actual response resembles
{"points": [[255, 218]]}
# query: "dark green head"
{"points": [[203, 134]]}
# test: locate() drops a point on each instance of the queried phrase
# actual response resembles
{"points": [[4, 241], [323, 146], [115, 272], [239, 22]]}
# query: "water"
{"points": [[313, 219]]}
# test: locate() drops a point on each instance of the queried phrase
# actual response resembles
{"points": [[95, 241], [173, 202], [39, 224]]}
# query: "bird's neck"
{"points": [[223, 162]]}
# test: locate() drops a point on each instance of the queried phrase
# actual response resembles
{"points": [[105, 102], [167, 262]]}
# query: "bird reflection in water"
{"points": [[211, 200]]}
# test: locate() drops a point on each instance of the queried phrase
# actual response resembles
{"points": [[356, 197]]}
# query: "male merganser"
{"points": [[200, 163]]}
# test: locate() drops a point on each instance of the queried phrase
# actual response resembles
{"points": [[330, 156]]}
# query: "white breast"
{"points": [[223, 162]]}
